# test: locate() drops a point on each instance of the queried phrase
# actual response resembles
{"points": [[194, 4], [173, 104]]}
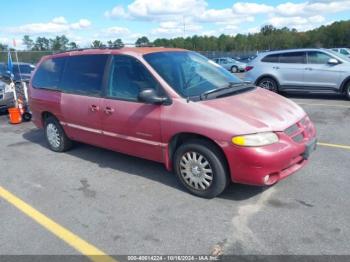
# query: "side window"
{"points": [[344, 51], [83, 74], [318, 57], [49, 73], [293, 58], [128, 78], [271, 58]]}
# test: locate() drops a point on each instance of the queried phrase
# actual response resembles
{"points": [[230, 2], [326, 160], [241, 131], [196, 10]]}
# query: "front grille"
{"points": [[300, 130], [291, 130]]}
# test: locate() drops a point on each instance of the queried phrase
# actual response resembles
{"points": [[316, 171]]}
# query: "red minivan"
{"points": [[175, 107]]}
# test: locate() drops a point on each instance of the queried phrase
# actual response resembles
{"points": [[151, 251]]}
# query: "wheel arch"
{"points": [[268, 76], [181, 138], [344, 84], [45, 115]]}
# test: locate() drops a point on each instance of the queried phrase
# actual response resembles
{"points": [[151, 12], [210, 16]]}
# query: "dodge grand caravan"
{"points": [[175, 107]]}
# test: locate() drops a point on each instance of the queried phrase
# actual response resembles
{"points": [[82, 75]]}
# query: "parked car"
{"points": [[6, 96], [2, 69], [245, 59], [301, 70], [21, 72], [175, 107], [343, 51], [230, 64]]}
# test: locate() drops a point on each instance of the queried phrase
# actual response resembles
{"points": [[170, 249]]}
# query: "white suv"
{"points": [[301, 70]]}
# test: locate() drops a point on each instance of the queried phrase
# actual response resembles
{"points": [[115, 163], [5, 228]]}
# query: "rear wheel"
{"points": [[234, 69], [55, 135], [269, 84], [200, 167]]}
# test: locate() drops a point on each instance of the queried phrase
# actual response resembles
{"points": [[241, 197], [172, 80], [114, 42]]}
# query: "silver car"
{"points": [[230, 64], [301, 70], [343, 51]]}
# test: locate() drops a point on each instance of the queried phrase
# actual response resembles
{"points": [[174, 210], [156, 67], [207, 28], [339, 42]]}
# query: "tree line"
{"points": [[268, 38]]}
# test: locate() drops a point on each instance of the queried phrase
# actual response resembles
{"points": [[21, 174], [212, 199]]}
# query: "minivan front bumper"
{"points": [[268, 164]]}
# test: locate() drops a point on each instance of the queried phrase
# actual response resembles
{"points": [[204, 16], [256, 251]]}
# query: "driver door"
{"points": [[130, 126], [319, 74]]}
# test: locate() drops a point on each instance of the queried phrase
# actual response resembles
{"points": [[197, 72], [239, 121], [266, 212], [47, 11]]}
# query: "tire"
{"points": [[347, 90], [191, 173], [268, 83], [27, 116], [234, 69], [56, 138]]}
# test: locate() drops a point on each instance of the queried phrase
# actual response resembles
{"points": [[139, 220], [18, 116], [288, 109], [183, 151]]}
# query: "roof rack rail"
{"points": [[87, 48]]}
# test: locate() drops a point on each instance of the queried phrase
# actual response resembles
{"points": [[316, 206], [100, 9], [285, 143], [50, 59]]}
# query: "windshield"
{"points": [[189, 73], [24, 69]]}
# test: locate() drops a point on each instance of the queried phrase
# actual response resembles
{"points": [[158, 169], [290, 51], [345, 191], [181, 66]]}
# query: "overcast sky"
{"points": [[84, 21]]}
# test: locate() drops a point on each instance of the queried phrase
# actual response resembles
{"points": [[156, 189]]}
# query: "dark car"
{"points": [[21, 72]]}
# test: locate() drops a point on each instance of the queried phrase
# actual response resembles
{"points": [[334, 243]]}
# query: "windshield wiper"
{"points": [[231, 85]]}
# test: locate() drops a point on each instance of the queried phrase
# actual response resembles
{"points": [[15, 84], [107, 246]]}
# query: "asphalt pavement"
{"points": [[126, 205]]}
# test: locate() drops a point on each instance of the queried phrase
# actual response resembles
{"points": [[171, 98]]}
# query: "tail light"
{"points": [[248, 68]]}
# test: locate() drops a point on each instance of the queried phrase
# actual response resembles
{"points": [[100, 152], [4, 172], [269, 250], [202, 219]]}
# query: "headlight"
{"points": [[260, 139]]}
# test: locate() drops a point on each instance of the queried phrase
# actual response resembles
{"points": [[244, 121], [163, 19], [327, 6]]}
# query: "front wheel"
{"points": [[200, 167], [347, 91], [269, 84]]}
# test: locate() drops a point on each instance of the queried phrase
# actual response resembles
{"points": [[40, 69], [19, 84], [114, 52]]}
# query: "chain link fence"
{"points": [[32, 57]]}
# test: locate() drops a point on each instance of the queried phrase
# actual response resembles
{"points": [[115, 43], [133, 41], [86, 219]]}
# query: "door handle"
{"points": [[308, 68], [276, 67], [108, 110], [94, 108]]}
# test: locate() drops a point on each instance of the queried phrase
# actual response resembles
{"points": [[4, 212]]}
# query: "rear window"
{"points": [[49, 73], [84, 74], [271, 58]]}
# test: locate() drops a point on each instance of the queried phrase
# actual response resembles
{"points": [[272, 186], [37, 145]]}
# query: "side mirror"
{"points": [[150, 96], [333, 61]]}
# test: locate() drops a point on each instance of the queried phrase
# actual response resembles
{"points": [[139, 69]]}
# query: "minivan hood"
{"points": [[257, 111]]}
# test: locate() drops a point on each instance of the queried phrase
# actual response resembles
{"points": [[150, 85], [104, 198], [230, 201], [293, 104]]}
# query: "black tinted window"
{"points": [[49, 74], [128, 77], [293, 58], [271, 58], [84, 74]]}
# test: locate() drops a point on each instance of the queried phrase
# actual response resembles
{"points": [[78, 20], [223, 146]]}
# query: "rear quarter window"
{"points": [[271, 58], [49, 74]]}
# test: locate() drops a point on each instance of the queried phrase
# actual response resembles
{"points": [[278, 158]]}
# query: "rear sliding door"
{"points": [[82, 84]]}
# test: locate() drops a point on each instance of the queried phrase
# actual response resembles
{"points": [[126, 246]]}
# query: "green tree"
{"points": [[59, 43], [97, 44], [41, 44], [142, 41], [72, 45], [28, 42], [3, 47], [118, 43]]}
